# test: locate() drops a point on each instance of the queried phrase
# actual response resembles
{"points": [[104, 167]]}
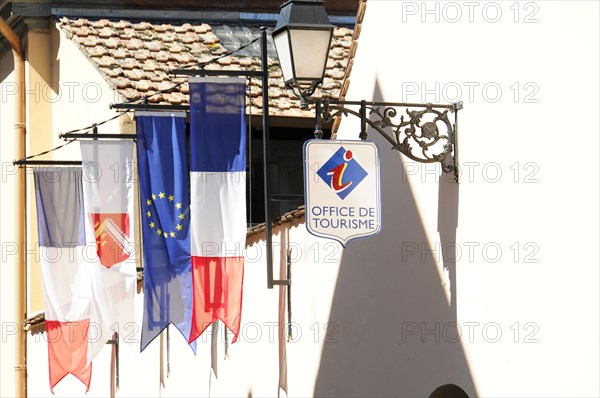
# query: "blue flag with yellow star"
{"points": [[165, 219]]}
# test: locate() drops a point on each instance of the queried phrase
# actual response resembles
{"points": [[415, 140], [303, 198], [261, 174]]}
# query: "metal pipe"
{"points": [[363, 120], [202, 72], [318, 128], [455, 145], [26, 162], [151, 107], [391, 104], [288, 276], [266, 155], [287, 197], [20, 206], [83, 136]]}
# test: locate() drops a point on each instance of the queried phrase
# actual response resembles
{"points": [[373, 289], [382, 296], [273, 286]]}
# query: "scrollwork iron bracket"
{"points": [[424, 133]]}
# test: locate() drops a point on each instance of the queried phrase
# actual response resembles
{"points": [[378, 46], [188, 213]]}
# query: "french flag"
{"points": [[218, 201], [65, 270]]}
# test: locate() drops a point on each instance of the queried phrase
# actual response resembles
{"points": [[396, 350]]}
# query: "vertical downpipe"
{"points": [[20, 197]]}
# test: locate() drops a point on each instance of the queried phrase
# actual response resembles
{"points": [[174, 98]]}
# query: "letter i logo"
{"points": [[342, 173], [337, 174]]}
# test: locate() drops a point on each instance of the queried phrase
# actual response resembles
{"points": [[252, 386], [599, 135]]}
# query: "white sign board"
{"points": [[342, 189]]}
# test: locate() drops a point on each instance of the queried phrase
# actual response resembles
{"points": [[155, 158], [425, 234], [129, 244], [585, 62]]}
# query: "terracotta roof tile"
{"points": [[136, 58], [121, 24], [106, 61], [127, 63], [121, 82], [163, 85], [111, 43], [156, 99], [184, 58], [107, 32], [97, 51], [158, 76], [175, 47], [141, 55], [142, 26], [88, 41], [147, 34], [154, 45], [120, 53], [76, 22], [134, 44], [102, 23], [189, 37], [144, 86], [149, 65], [127, 33], [185, 88], [342, 32], [186, 27], [131, 93], [134, 74], [338, 53], [112, 71], [202, 28], [168, 37], [335, 74]]}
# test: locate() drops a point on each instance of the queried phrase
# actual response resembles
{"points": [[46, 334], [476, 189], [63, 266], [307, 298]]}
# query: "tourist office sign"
{"points": [[342, 189]]}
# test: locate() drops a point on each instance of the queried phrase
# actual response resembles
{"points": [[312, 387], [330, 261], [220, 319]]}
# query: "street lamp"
{"points": [[302, 37]]}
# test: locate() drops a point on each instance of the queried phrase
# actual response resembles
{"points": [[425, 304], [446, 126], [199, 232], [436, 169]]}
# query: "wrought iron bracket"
{"points": [[425, 133]]}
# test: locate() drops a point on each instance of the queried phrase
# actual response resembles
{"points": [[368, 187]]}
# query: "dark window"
{"points": [[287, 175]]}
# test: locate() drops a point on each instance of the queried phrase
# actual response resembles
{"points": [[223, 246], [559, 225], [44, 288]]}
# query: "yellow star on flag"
{"points": [[179, 227], [151, 225], [153, 197], [178, 205], [171, 198], [149, 202], [181, 216], [148, 214], [172, 234], [158, 231], [161, 195], [166, 236]]}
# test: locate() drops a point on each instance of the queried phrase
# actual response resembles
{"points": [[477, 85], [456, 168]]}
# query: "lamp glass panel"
{"points": [[310, 50], [282, 45]]}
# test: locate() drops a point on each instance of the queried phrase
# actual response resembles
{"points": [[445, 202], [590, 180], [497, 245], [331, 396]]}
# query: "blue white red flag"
{"points": [[218, 201], [65, 271]]}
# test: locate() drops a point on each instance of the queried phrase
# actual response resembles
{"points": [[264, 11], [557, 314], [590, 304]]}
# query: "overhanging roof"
{"points": [[135, 58]]}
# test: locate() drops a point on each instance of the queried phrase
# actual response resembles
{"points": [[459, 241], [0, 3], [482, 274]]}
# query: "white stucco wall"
{"points": [[83, 94], [529, 183]]}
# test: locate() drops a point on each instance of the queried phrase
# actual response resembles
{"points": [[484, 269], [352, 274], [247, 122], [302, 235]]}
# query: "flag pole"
{"points": [[266, 156]]}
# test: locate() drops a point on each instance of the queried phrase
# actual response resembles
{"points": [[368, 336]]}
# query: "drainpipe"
{"points": [[19, 227]]}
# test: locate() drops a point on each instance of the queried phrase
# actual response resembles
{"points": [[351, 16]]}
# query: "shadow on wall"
{"points": [[397, 330], [6, 67]]}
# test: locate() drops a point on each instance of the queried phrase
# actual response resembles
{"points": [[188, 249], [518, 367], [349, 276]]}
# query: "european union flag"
{"points": [[165, 219]]}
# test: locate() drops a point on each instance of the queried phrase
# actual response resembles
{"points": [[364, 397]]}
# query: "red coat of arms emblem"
{"points": [[112, 237]]}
